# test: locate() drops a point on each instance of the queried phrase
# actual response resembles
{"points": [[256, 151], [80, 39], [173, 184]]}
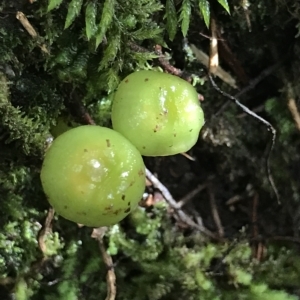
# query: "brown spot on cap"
{"points": [[108, 207], [126, 80], [141, 173], [123, 197], [156, 128], [174, 134], [127, 210], [116, 212], [85, 150], [108, 143], [146, 79], [65, 206], [128, 203], [191, 130], [81, 213]]}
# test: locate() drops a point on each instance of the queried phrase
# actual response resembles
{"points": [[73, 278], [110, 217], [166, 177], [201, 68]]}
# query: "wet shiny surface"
{"points": [[90, 180], [159, 113]]}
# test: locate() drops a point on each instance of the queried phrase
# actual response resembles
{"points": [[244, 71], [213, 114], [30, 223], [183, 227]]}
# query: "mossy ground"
{"points": [[80, 53]]}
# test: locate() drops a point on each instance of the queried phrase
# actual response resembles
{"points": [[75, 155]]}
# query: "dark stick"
{"points": [[253, 83], [262, 120], [177, 208]]}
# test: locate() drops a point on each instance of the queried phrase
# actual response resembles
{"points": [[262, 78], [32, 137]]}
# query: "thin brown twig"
{"points": [[254, 215], [86, 116], [183, 201], [260, 119], [233, 200], [231, 60], [98, 234], [165, 63], [203, 58], [78, 109], [137, 48], [292, 106], [258, 248], [31, 31], [46, 229], [253, 83], [213, 49], [215, 212], [189, 157], [26, 24], [198, 218], [207, 36], [260, 251], [182, 216], [245, 5], [254, 223], [165, 192]]}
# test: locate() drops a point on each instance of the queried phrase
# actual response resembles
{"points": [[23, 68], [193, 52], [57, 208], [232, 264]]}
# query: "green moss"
{"points": [[82, 51]]}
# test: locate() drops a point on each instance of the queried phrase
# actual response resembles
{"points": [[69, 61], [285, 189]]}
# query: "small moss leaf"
{"points": [[205, 11], [184, 17], [224, 3], [90, 19], [74, 9], [106, 19], [171, 16], [53, 4], [111, 51]]}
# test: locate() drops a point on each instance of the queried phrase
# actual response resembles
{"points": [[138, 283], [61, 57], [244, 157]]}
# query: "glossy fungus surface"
{"points": [[157, 112], [93, 176]]}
